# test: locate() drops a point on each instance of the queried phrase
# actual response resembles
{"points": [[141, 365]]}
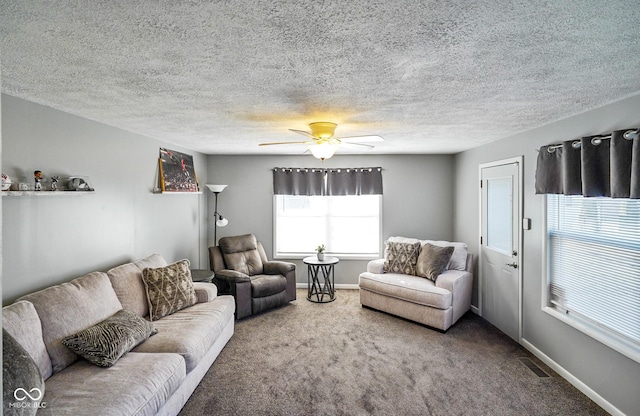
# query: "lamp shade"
{"points": [[323, 151], [222, 221], [216, 188]]}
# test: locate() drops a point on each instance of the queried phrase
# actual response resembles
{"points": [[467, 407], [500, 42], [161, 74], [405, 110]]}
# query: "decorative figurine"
{"points": [[54, 183], [6, 182], [37, 175]]}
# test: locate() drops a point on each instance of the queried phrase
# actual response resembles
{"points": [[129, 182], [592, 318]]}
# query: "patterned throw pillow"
{"points": [[433, 260], [401, 258], [105, 342], [169, 289]]}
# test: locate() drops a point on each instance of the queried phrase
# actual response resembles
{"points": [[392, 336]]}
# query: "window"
{"points": [[349, 226], [593, 277]]}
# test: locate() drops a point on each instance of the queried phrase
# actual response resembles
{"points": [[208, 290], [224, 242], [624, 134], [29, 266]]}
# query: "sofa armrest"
{"points": [[205, 292], [278, 267], [460, 284], [376, 266], [449, 279]]}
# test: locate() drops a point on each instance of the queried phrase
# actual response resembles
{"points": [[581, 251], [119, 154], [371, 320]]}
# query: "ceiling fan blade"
{"points": [[272, 143], [304, 133], [358, 146], [361, 139]]}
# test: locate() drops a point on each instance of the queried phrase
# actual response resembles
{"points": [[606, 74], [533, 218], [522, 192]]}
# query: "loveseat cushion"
{"points": [[22, 322], [139, 384], [105, 342], [69, 307], [191, 332], [409, 288], [458, 258]]}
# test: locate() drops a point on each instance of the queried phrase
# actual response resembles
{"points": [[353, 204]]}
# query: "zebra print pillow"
{"points": [[105, 342]]}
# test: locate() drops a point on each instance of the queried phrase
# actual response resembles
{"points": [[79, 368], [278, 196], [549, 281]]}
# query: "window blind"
{"points": [[594, 261]]}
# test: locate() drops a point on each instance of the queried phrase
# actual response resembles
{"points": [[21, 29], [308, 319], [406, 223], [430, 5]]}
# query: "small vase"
{"points": [[320, 256]]}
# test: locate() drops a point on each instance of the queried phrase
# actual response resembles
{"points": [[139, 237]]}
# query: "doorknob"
{"points": [[514, 265]]}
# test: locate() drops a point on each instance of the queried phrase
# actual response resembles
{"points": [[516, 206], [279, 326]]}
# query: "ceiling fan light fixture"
{"points": [[323, 151], [323, 129]]}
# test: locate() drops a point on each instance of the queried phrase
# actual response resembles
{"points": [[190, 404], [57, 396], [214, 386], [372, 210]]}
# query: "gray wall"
{"points": [[417, 201], [51, 239], [608, 373]]}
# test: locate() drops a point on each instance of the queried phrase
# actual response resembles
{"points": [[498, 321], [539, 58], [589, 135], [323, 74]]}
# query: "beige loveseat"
{"points": [[437, 304], [156, 377]]}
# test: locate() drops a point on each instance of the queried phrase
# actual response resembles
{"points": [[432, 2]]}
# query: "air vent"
{"points": [[533, 367]]}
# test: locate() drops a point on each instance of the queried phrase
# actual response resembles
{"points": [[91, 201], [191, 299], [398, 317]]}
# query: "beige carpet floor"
{"points": [[342, 359]]}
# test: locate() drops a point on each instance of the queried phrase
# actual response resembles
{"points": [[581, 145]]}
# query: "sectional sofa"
{"points": [[170, 354]]}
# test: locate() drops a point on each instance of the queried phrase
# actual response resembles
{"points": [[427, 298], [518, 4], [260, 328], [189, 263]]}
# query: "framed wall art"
{"points": [[177, 173]]}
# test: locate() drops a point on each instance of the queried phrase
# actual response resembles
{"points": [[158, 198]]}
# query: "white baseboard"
{"points": [[337, 286], [588, 391]]}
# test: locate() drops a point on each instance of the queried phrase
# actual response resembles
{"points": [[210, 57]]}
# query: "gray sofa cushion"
{"points": [[69, 307], [169, 289], [105, 342], [21, 379], [154, 261], [432, 261], [139, 384], [126, 280], [22, 322], [191, 332]]}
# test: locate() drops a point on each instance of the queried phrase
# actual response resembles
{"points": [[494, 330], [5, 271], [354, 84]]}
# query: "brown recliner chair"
{"points": [[242, 270]]}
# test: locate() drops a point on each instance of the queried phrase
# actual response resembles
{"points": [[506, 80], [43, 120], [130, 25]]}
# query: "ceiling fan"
{"points": [[323, 144]]}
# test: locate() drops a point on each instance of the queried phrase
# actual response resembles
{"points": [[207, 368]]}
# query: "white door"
{"points": [[500, 237]]}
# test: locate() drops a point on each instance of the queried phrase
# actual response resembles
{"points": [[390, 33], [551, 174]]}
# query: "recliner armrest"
{"points": [[376, 266], [278, 267], [231, 276]]}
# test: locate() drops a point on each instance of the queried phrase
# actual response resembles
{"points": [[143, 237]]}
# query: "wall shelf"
{"points": [[177, 193], [44, 193]]}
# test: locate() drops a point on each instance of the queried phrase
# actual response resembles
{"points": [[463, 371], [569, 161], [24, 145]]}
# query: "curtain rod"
{"points": [[628, 135], [327, 170]]}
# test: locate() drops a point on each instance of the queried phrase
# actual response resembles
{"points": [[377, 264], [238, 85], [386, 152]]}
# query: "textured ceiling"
{"points": [[222, 76]]}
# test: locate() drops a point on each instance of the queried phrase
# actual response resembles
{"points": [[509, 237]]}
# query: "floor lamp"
{"points": [[220, 221]]}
